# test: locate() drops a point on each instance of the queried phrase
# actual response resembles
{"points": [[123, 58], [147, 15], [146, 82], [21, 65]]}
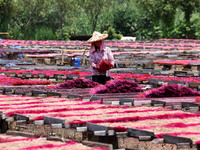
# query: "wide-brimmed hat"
{"points": [[97, 36]]}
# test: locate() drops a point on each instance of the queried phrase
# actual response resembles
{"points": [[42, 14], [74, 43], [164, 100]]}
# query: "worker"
{"points": [[100, 53]]}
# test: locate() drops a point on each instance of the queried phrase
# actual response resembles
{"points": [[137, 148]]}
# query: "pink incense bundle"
{"points": [[117, 86], [197, 99], [171, 90], [76, 83], [104, 66]]}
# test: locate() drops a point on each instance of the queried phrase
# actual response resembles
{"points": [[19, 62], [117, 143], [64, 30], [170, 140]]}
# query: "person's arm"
{"points": [[110, 56], [92, 61]]}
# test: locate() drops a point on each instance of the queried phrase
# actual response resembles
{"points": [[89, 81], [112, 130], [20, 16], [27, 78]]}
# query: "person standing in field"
{"points": [[101, 58]]}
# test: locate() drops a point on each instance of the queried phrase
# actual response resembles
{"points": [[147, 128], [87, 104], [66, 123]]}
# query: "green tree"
{"points": [[6, 12], [125, 18], [189, 7], [32, 15], [146, 19], [94, 8], [162, 12], [63, 9]]}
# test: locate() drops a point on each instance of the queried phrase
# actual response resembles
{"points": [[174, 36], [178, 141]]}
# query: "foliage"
{"points": [[196, 25], [6, 12], [44, 33], [64, 34], [184, 31], [112, 34], [59, 19], [155, 33], [125, 19], [188, 7], [93, 9]]}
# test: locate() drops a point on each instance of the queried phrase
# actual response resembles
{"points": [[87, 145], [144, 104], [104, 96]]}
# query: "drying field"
{"points": [[27, 143], [77, 119], [152, 102]]}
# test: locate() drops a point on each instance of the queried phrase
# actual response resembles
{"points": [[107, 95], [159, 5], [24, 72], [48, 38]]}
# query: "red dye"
{"points": [[39, 118], [104, 66], [120, 129], [197, 142], [36, 102], [160, 135], [28, 99], [136, 111], [76, 83], [176, 62], [6, 140], [118, 86], [14, 81], [180, 125], [27, 82], [114, 112], [56, 110], [172, 90], [46, 146], [170, 125], [40, 105], [137, 118], [176, 124], [197, 99]]}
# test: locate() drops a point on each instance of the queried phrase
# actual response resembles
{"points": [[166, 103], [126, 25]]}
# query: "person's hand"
{"points": [[96, 67], [111, 66]]}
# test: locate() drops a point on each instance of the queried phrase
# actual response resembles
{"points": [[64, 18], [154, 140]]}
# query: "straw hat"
{"points": [[96, 36]]}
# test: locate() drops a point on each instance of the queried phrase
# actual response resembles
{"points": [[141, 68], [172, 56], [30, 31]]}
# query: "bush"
{"points": [[125, 19], [15, 33], [184, 31], [44, 33], [112, 35], [63, 34]]}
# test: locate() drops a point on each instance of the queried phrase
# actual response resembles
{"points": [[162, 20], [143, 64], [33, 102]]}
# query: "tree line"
{"points": [[61, 19]]}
